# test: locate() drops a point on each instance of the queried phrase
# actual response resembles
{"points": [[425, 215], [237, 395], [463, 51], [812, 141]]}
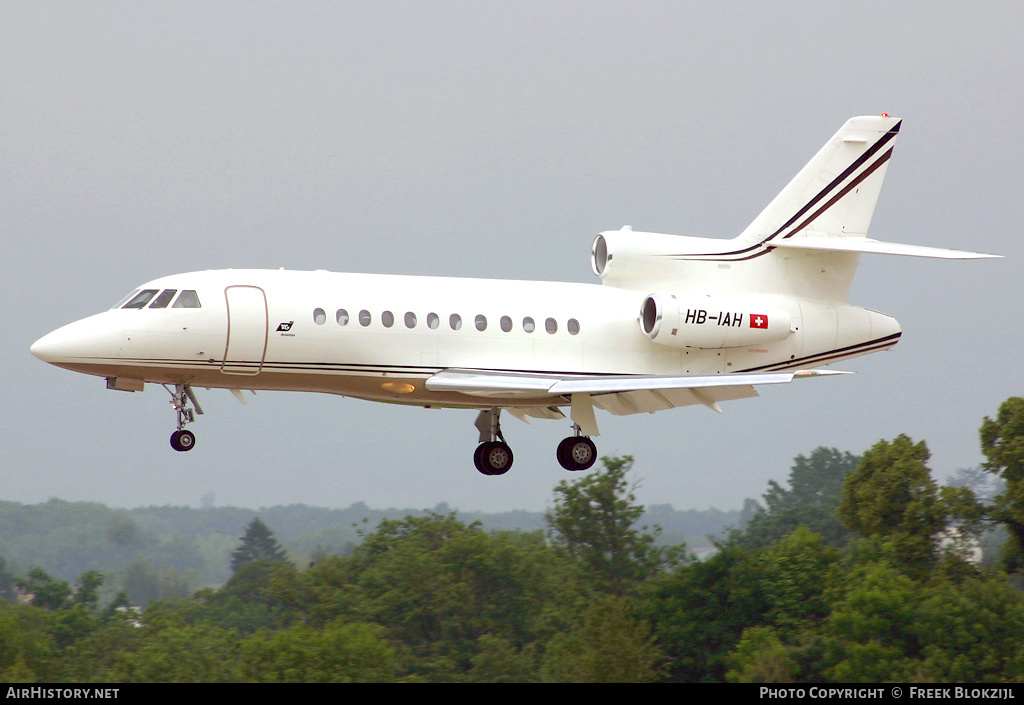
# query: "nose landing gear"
{"points": [[182, 440]]}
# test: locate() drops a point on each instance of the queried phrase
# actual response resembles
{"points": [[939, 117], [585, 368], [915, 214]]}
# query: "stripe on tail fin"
{"points": [[836, 192]]}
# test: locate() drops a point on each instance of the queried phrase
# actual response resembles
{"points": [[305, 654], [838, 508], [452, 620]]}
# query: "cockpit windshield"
{"points": [[121, 303], [165, 298], [140, 298]]}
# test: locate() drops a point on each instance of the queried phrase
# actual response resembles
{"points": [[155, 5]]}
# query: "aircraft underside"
{"points": [[488, 391]]}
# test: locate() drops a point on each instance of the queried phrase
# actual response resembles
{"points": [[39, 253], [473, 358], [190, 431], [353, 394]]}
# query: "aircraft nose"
{"points": [[89, 338]]}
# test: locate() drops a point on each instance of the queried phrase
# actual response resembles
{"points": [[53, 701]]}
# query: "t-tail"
{"points": [[806, 243]]}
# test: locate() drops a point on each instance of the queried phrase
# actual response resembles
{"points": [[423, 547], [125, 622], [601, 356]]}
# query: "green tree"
{"points": [[172, 652], [970, 631], [439, 586], [1002, 442], [87, 589], [761, 657], [336, 653], [869, 632], [46, 592], [607, 645], [892, 496], [812, 499], [26, 644], [7, 582], [258, 544], [594, 521], [699, 611], [794, 573]]}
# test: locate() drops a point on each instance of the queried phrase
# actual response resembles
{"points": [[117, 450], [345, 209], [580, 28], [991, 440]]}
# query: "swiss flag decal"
{"points": [[758, 320]]}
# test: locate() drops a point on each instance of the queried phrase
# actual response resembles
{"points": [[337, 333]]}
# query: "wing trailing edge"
{"points": [[617, 394]]}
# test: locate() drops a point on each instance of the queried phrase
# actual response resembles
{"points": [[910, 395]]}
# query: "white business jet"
{"points": [[675, 320]]}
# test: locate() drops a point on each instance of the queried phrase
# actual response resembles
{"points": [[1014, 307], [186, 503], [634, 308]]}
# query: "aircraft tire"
{"points": [[183, 441], [576, 453], [478, 460], [493, 458]]}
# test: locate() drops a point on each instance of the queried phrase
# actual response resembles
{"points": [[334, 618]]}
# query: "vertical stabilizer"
{"points": [[836, 192]]}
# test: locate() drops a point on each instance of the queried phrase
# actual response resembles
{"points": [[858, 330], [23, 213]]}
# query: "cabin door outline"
{"points": [[247, 334]]}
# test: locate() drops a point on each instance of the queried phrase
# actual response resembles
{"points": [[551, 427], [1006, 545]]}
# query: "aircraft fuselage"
{"points": [[380, 337]]}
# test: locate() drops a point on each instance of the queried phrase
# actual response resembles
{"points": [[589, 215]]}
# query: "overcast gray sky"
{"points": [[139, 139]]}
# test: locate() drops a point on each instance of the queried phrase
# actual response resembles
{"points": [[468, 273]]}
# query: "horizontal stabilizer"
{"points": [[867, 245]]}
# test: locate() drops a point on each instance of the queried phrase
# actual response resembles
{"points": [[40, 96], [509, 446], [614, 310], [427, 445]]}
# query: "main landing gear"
{"points": [[182, 440], [494, 457], [576, 452]]}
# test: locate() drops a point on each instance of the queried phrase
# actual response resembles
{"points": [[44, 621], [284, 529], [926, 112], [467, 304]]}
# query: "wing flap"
{"points": [[617, 394], [492, 384]]}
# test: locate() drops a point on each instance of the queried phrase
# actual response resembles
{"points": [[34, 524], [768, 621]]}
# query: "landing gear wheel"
{"points": [[576, 453], [493, 458], [183, 440]]}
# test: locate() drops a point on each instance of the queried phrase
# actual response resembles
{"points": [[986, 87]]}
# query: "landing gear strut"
{"points": [[492, 456], [576, 452], [182, 440]]}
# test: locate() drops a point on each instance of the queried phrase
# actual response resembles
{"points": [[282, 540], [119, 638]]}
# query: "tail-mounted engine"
{"points": [[622, 256], [694, 321]]}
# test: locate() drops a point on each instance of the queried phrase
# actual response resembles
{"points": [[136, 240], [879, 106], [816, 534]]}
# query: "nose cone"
{"points": [[88, 341]]}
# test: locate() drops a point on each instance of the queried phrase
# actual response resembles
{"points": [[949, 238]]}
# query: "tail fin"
{"points": [[835, 193], [816, 228], [806, 243]]}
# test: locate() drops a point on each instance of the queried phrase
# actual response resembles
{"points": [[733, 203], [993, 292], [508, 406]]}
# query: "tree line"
{"points": [[862, 569]]}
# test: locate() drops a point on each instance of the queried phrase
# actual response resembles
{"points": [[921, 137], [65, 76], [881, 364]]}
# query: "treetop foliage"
{"points": [[1002, 442], [812, 500], [594, 521], [258, 544]]}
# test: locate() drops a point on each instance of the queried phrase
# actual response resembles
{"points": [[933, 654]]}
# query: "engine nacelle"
{"points": [[627, 255], [694, 321], [631, 259]]}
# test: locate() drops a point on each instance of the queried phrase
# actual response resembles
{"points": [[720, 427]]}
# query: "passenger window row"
{"points": [[433, 321]]}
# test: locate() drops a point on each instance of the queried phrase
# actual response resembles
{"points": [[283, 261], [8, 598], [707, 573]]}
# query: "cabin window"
{"points": [[165, 298], [388, 319], [433, 321], [365, 318], [573, 326], [410, 319], [342, 317], [481, 322], [506, 323], [141, 299], [319, 316], [187, 299], [455, 321], [551, 325], [528, 325]]}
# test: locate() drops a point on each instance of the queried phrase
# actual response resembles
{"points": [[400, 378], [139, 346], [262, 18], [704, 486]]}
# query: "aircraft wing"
{"points": [[617, 394]]}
